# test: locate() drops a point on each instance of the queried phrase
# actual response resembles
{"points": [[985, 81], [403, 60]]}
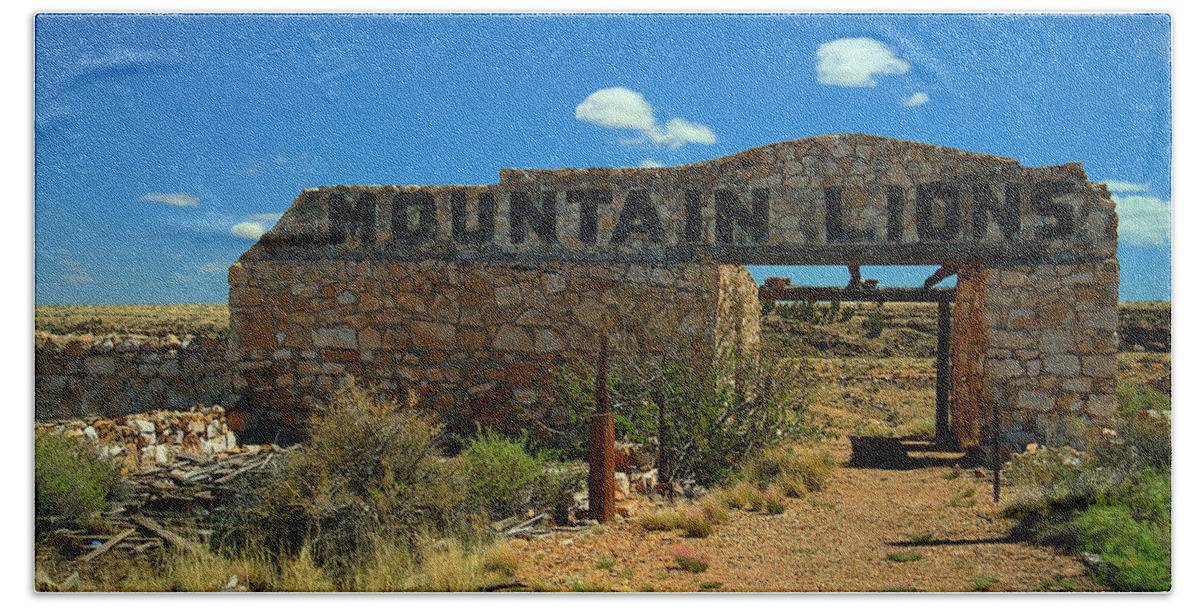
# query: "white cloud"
{"points": [[270, 217], [1119, 186], [678, 131], [916, 99], [616, 108], [1143, 220], [248, 230], [852, 62], [622, 108], [649, 163], [179, 199], [212, 267]]}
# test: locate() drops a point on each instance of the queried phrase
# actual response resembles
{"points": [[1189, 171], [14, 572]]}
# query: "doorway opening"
{"points": [[879, 343]]}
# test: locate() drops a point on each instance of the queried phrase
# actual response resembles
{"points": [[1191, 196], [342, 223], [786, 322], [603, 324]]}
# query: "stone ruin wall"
{"points": [[1051, 356], [84, 376], [473, 342], [408, 284]]}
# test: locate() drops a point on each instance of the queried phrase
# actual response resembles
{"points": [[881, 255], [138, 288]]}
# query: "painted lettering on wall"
{"points": [[932, 212]]}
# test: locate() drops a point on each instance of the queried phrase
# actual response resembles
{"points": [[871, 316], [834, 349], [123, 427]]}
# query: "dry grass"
{"points": [[151, 320], [432, 565], [741, 495], [696, 521]]}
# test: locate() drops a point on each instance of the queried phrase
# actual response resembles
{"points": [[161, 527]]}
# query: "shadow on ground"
{"points": [[906, 453]]}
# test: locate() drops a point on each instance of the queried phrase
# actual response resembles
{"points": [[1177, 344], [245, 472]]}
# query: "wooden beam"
{"points": [[841, 294], [943, 435], [98, 551], [167, 535]]}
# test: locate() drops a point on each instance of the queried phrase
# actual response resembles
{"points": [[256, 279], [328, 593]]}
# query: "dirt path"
{"points": [[838, 539]]}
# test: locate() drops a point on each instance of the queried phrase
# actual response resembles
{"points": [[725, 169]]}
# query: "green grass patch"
{"points": [[983, 583], [906, 556]]}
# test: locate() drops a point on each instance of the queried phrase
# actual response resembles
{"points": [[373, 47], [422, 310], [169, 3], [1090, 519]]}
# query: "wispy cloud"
{"points": [[75, 272], [269, 217], [1119, 186], [212, 267], [179, 199], [622, 108], [248, 230], [854, 62], [917, 99], [1143, 219], [649, 163]]}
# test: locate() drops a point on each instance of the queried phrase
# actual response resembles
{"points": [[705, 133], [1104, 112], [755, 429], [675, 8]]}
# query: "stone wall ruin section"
{"points": [[467, 297], [473, 342]]}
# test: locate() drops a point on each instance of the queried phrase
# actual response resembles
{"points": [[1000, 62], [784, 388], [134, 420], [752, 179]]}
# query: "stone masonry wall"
{"points": [[474, 342], [81, 376], [1051, 361]]}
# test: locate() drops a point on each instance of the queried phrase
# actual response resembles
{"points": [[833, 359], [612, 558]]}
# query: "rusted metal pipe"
{"points": [[995, 452], [601, 442]]}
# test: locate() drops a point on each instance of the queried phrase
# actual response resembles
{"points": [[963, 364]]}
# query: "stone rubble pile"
{"points": [[154, 439]]}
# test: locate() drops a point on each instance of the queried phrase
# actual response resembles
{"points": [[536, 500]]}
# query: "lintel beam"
{"points": [[842, 294]]}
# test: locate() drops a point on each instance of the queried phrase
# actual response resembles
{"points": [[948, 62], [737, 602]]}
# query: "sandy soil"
{"points": [[838, 539]]}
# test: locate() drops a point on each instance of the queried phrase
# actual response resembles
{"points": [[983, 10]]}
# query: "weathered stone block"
{"points": [[100, 366], [1063, 365], [1034, 401], [512, 338], [437, 336], [335, 337], [1102, 406]]}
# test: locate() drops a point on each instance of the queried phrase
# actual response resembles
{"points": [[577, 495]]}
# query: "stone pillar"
{"points": [[1051, 358]]}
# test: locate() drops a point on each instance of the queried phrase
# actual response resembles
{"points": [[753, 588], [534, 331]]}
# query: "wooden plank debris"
{"points": [[102, 549], [166, 534]]}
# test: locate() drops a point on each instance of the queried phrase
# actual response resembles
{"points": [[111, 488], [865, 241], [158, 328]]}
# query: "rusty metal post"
{"points": [[995, 452], [601, 442], [942, 434]]}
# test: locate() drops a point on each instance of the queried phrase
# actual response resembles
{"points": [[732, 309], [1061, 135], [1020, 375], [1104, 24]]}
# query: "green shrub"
{"points": [[694, 524], [705, 416], [371, 472], [873, 324], [796, 472], [506, 480], [71, 481], [1132, 550], [501, 474]]}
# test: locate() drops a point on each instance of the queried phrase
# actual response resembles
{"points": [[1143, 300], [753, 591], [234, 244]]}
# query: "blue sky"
{"points": [[165, 144]]}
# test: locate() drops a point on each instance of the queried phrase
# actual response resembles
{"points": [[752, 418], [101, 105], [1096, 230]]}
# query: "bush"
{"points": [[1132, 550], [706, 417], [873, 324], [71, 481], [506, 480], [371, 472], [501, 474]]}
